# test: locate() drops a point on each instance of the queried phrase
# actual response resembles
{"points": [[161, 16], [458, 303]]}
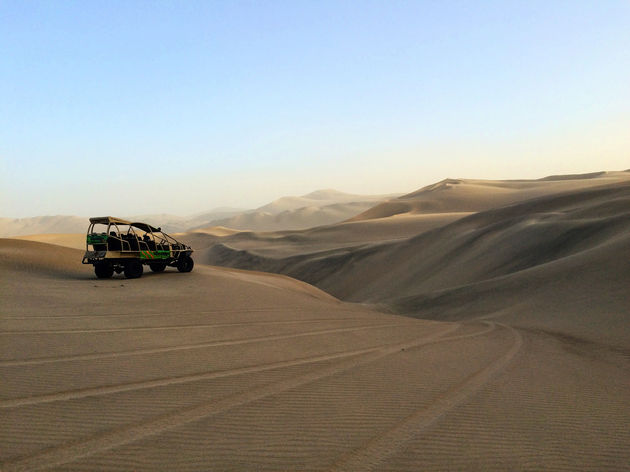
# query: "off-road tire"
{"points": [[133, 269], [103, 270], [185, 264], [157, 266]]}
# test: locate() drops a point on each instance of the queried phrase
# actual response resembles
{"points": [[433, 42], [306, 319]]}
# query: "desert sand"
{"points": [[514, 354]]}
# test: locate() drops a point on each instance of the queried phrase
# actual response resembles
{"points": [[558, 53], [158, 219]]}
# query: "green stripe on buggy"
{"points": [[96, 238], [155, 254]]}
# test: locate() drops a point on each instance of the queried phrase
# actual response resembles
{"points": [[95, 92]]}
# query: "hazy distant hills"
{"points": [[321, 207], [78, 224], [42, 224], [174, 223], [317, 199]]}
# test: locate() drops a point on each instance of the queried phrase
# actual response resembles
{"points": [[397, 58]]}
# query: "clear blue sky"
{"points": [[132, 107]]}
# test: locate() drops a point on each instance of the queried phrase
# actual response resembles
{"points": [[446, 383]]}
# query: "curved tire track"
{"points": [[185, 347], [154, 313], [370, 456], [106, 390], [167, 327], [98, 391], [161, 313]]}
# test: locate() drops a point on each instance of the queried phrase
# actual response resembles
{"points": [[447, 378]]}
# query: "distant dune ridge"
{"points": [[321, 207], [515, 355], [42, 225], [477, 195], [61, 224]]}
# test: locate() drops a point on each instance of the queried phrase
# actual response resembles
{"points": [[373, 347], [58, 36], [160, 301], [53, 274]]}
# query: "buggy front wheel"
{"points": [[185, 264]]}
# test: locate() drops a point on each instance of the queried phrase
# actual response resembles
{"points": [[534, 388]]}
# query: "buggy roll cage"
{"points": [[152, 239]]}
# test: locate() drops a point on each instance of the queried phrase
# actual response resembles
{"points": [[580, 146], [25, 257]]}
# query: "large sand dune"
{"points": [[476, 195], [541, 262]]}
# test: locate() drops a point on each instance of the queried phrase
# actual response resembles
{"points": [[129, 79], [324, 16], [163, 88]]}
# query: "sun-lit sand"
{"points": [[516, 355], [73, 240]]}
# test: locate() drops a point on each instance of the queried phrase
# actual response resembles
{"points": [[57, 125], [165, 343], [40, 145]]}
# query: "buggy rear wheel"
{"points": [[103, 270], [157, 266], [185, 264], [133, 269]]}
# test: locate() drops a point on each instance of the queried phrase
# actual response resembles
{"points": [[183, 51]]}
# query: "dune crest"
{"points": [[477, 195]]}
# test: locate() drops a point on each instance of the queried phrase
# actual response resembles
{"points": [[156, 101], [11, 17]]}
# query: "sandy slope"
{"points": [[42, 225], [472, 195], [313, 240], [230, 370], [72, 240]]}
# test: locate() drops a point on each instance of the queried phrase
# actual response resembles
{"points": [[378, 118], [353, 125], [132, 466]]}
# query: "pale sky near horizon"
{"points": [[129, 107]]}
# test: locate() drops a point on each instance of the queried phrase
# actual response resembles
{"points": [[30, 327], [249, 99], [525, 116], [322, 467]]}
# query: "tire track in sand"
{"points": [[167, 327], [374, 452], [185, 347], [75, 450], [161, 313], [98, 391], [154, 313], [110, 389]]}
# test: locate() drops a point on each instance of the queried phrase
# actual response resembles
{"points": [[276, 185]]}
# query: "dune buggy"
{"points": [[124, 246]]}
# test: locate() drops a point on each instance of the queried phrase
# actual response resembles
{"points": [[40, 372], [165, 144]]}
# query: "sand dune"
{"points": [[231, 370], [289, 243], [317, 199], [42, 225], [469, 195], [61, 224], [527, 246], [72, 240], [173, 223], [304, 217], [323, 207]]}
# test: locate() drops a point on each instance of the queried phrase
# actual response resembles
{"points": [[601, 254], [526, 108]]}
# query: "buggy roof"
{"points": [[109, 220], [112, 220]]}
